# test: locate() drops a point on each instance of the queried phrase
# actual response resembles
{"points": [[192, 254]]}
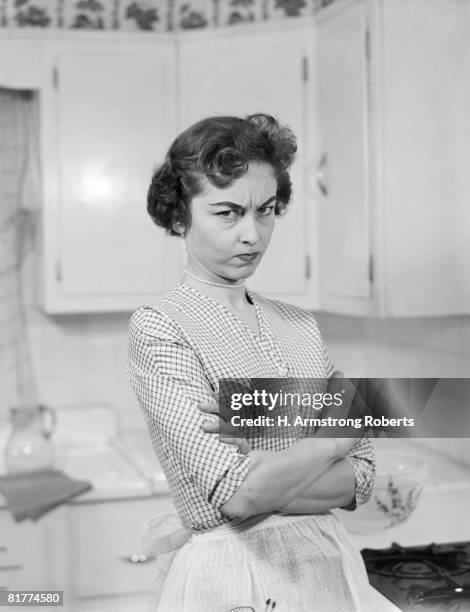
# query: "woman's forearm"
{"points": [[335, 488], [275, 479]]}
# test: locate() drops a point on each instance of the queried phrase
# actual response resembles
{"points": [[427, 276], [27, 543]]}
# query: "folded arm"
{"points": [[333, 489], [170, 383], [346, 484], [277, 479]]}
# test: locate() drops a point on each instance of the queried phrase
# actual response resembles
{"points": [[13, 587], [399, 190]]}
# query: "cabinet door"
{"points": [[23, 555], [104, 536], [121, 603], [342, 170], [249, 73], [393, 115], [108, 121], [425, 120]]}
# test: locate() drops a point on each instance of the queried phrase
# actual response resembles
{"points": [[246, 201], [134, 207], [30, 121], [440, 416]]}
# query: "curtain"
{"points": [[17, 222]]}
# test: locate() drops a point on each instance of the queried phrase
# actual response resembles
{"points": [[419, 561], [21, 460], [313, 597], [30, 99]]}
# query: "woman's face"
{"points": [[231, 227]]}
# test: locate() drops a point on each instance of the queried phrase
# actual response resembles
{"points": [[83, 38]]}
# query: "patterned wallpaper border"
{"points": [[149, 15]]}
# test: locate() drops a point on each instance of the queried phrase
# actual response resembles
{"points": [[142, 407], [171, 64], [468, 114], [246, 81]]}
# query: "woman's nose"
{"points": [[249, 231]]}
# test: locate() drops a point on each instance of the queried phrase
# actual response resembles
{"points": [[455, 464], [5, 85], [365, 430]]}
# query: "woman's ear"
{"points": [[178, 227]]}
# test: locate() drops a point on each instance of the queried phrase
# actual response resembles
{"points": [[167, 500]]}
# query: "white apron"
{"points": [[303, 563]]}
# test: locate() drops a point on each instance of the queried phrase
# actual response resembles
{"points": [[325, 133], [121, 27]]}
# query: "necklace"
{"points": [[206, 282]]}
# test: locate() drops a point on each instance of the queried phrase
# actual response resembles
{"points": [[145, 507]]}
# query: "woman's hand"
{"points": [[337, 384], [228, 433]]}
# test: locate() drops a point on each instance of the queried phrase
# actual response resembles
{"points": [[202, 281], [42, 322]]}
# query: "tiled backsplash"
{"points": [[149, 15], [428, 347]]}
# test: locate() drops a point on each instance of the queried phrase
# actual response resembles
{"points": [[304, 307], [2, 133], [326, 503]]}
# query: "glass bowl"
{"points": [[399, 480]]}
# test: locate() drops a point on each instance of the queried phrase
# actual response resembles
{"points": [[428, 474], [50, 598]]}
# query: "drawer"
{"points": [[114, 603], [23, 560], [103, 536]]}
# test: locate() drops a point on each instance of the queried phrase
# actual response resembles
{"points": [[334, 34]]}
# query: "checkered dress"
{"points": [[179, 348]]}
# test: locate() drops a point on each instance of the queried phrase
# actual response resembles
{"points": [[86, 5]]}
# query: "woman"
{"points": [[256, 516]]}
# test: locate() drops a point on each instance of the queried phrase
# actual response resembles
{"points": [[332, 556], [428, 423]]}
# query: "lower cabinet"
{"points": [[104, 537], [23, 549], [34, 556], [87, 550], [137, 602]]}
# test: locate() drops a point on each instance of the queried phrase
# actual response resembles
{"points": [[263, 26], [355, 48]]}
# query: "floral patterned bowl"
{"points": [[399, 480]]}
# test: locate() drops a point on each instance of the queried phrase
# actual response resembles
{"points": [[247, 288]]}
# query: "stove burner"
{"points": [[413, 569], [434, 578], [451, 598], [423, 562]]}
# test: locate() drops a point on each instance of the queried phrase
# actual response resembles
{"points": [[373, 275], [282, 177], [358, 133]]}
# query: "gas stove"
{"points": [[434, 577]]}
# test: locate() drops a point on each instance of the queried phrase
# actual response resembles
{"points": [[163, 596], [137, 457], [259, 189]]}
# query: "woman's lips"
{"points": [[247, 256]]}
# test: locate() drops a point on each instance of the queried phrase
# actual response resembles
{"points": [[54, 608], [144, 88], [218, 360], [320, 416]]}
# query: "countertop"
{"points": [[441, 516], [88, 446]]}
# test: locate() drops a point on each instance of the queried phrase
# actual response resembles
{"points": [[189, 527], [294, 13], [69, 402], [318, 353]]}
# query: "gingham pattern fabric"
{"points": [[179, 348]]}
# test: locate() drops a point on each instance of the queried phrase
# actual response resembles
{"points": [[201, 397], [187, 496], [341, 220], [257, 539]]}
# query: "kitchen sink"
{"points": [[101, 464]]}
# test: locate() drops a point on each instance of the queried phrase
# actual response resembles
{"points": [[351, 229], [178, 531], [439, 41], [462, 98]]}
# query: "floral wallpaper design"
{"points": [[89, 15], [144, 17], [292, 8], [244, 11], [32, 14], [193, 14], [148, 15]]}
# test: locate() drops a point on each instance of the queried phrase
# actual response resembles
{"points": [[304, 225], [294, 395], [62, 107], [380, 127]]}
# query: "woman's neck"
{"points": [[230, 294]]}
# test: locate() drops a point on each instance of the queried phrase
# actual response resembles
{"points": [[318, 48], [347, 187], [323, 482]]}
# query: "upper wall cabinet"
{"points": [[377, 93], [250, 71], [393, 154], [107, 119]]}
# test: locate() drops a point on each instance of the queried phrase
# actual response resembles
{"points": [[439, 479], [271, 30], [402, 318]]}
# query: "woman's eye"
{"points": [[266, 210], [228, 213]]}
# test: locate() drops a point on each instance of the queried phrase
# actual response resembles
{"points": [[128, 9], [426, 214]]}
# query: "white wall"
{"points": [[428, 347]]}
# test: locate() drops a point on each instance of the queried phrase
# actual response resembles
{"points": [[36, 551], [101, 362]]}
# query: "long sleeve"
{"points": [[169, 382], [361, 457]]}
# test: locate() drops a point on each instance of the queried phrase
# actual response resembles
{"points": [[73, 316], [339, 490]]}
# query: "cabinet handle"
{"points": [[320, 174], [7, 568], [138, 558]]}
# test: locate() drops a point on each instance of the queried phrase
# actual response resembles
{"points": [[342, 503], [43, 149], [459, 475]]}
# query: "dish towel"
{"points": [[33, 494]]}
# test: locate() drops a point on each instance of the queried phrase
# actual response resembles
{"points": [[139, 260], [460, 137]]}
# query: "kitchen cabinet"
{"points": [[108, 114], [377, 93], [239, 72], [122, 603], [394, 143], [20, 60], [22, 553], [84, 549], [104, 537], [33, 556], [107, 118]]}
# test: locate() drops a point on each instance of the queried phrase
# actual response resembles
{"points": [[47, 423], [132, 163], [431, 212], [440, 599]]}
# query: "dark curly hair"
{"points": [[220, 149]]}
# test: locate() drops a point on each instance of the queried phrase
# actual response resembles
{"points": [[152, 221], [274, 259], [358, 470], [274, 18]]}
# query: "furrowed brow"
{"points": [[271, 199], [229, 204], [236, 206]]}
